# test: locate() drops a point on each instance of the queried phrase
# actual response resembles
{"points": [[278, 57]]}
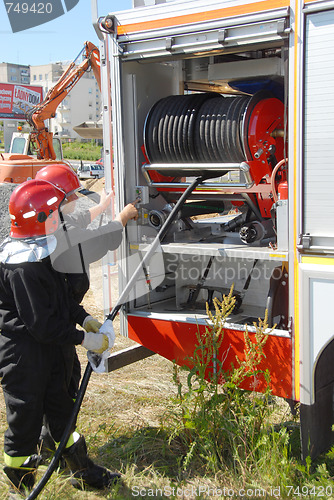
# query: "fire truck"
{"points": [[235, 94]]}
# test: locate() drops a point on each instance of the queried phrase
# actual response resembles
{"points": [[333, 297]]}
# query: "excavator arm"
{"points": [[40, 135]]}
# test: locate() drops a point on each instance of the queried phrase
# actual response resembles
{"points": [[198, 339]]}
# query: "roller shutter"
{"points": [[318, 185]]}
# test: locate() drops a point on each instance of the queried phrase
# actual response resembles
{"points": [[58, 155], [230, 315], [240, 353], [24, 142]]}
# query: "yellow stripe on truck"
{"points": [[323, 261], [295, 222]]}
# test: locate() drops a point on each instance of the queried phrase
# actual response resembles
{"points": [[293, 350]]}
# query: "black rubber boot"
{"points": [[47, 448], [22, 479], [46, 444], [84, 471]]}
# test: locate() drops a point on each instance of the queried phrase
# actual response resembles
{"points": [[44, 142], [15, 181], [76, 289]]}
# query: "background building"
{"points": [[14, 73]]}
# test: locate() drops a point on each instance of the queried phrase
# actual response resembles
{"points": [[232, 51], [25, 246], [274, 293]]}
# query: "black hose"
{"points": [[88, 371], [69, 428], [199, 208]]}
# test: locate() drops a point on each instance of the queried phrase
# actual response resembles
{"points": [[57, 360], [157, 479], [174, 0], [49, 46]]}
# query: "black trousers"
{"points": [[79, 284], [35, 382]]}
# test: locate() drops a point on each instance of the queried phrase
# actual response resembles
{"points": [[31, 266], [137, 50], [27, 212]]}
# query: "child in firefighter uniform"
{"points": [[38, 317]]}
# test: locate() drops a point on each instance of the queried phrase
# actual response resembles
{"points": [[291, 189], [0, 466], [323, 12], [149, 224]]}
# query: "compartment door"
{"points": [[318, 175]]}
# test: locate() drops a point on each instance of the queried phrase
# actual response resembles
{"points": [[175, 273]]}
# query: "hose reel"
{"points": [[209, 128], [195, 134]]}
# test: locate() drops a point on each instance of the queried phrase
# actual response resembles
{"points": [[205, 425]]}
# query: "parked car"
{"points": [[90, 171]]}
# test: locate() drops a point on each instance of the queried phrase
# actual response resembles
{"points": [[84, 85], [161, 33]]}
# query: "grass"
{"points": [[81, 150], [177, 433], [152, 464]]}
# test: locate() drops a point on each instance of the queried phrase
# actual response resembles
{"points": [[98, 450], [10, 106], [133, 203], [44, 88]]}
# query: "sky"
{"points": [[59, 40]]}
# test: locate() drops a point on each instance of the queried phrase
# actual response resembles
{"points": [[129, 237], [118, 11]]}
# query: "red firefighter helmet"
{"points": [[61, 176], [33, 209]]}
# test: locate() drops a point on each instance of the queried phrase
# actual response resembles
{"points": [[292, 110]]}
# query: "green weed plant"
{"points": [[223, 427]]}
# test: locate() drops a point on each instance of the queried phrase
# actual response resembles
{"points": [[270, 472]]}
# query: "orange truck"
{"points": [[20, 163], [235, 91]]}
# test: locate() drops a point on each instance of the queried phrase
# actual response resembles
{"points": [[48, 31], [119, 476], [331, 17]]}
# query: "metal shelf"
{"points": [[229, 250]]}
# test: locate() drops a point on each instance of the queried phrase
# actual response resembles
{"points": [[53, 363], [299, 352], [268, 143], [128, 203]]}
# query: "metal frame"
{"points": [[126, 357], [189, 168], [223, 34], [118, 162]]}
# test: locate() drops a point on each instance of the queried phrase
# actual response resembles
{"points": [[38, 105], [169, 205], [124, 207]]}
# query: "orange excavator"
{"points": [[18, 167]]}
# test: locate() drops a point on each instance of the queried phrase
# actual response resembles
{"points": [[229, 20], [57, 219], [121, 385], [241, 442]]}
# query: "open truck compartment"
{"points": [[228, 92], [220, 113]]}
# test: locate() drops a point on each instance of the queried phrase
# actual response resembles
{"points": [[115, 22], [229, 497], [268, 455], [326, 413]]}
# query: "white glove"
{"points": [[91, 324], [108, 329], [97, 359], [96, 342]]}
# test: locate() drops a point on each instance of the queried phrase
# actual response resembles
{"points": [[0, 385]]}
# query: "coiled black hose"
{"points": [[196, 128]]}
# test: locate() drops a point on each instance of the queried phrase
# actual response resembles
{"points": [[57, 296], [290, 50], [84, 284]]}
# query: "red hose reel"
{"points": [[209, 128]]}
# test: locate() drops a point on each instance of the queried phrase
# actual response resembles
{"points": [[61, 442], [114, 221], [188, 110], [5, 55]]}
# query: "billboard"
{"points": [[17, 99]]}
